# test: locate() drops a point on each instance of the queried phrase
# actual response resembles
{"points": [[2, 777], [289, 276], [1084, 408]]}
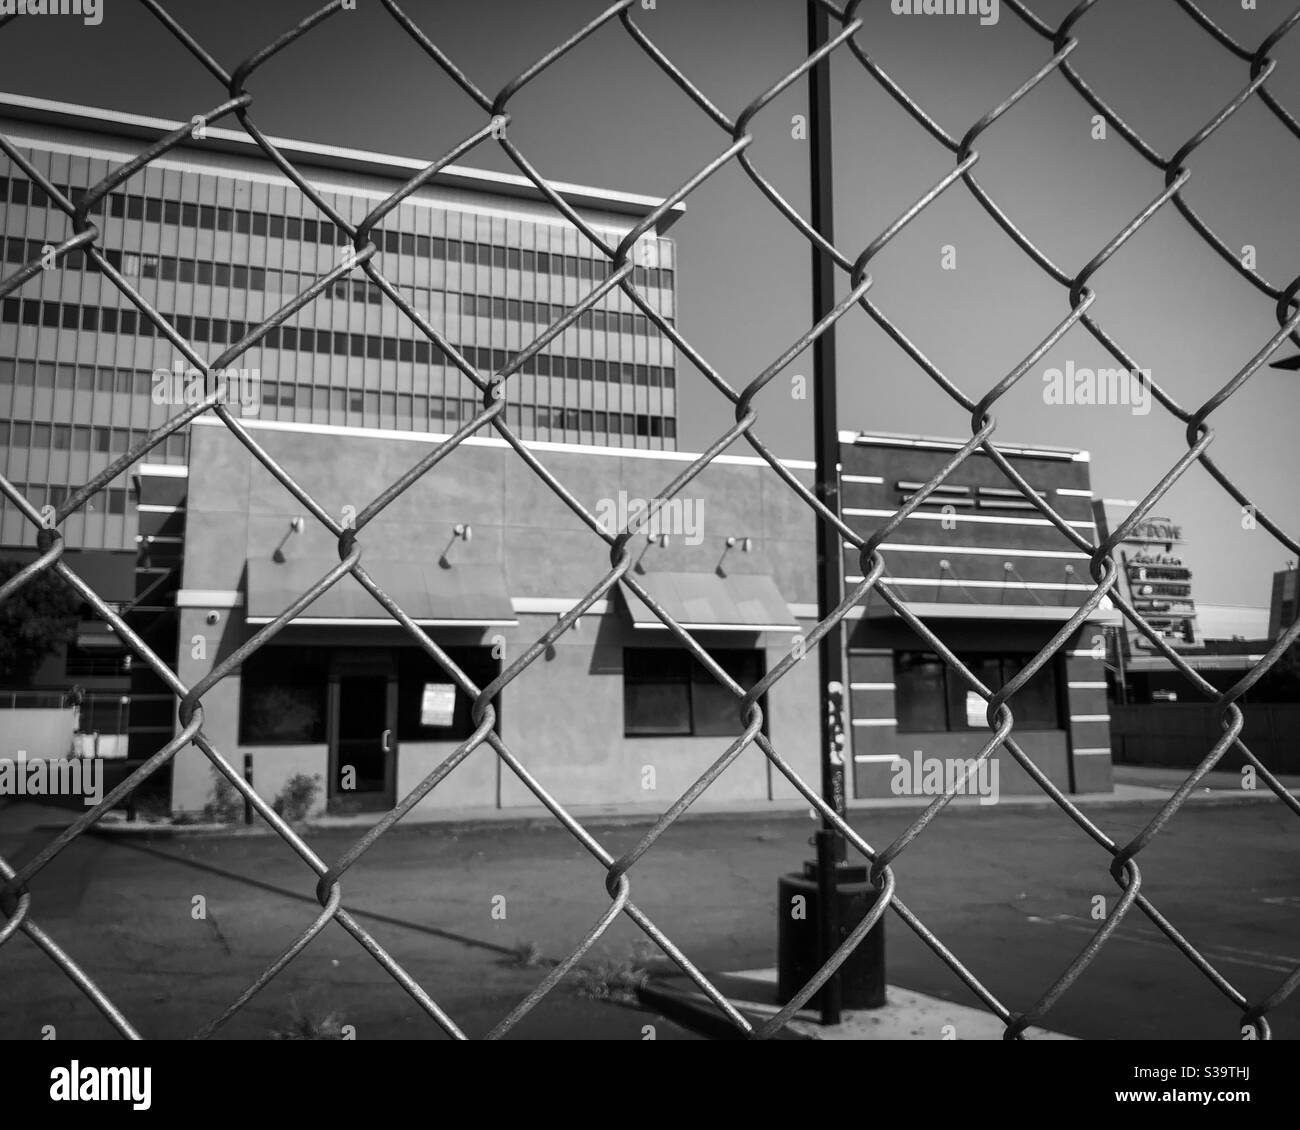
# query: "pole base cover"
{"points": [[862, 976]]}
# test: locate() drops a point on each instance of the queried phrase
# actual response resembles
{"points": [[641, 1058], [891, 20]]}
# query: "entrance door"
{"points": [[363, 754]]}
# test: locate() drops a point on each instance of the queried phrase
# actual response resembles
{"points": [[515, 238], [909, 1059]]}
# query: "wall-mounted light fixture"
{"points": [[296, 526], [461, 531], [743, 544], [661, 540]]}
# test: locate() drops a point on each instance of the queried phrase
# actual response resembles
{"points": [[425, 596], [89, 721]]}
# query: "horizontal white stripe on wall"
{"points": [[1095, 751], [1071, 492], [209, 598], [876, 757], [935, 516], [865, 480], [431, 438], [558, 605], [979, 550], [367, 622], [954, 582], [875, 721], [872, 686], [1087, 686], [1089, 717], [936, 443]]}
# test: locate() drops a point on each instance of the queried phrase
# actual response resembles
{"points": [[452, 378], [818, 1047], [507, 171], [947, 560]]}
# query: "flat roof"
{"points": [[494, 441], [97, 119], [944, 443]]}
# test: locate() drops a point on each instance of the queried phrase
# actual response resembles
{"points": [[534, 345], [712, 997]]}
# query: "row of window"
{"points": [[84, 378], [221, 331], [666, 693], [406, 408], [77, 437], [402, 406], [931, 697], [544, 314], [110, 500], [355, 405], [211, 217], [286, 282]]}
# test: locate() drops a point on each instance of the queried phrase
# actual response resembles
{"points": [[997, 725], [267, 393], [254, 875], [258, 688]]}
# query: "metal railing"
{"points": [[735, 138]]}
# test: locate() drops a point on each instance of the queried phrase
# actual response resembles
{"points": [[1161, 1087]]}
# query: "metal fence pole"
{"points": [[830, 553]]}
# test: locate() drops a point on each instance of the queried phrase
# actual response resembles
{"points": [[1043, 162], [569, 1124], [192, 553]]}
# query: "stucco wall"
{"points": [[563, 717]]}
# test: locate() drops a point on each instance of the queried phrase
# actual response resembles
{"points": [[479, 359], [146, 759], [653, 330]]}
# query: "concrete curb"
{"points": [[454, 820], [907, 1015]]}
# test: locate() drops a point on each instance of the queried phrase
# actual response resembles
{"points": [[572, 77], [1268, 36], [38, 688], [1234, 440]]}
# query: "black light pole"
{"points": [[830, 552], [841, 892]]}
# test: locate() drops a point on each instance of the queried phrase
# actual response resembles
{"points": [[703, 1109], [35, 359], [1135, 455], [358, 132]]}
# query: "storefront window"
{"points": [[282, 697], [430, 706], [930, 697], [668, 692]]}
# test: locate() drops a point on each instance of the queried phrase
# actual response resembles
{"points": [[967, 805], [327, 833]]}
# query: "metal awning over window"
{"points": [[97, 634], [1202, 662], [707, 602], [464, 596]]}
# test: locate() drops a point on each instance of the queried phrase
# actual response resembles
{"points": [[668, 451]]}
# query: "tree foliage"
{"points": [[34, 621]]}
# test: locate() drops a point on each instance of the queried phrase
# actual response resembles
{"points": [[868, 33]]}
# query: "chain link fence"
{"points": [[735, 137]]}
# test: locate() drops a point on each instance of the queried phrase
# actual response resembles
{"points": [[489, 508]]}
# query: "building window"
{"points": [[930, 697], [422, 717], [282, 699], [668, 692]]}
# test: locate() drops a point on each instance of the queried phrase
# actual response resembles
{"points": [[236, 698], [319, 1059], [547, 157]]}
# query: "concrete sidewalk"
{"points": [[1134, 786]]}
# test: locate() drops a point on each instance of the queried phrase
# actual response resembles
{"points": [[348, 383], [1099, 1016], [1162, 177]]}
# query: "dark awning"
{"points": [[748, 602], [463, 596], [110, 572]]}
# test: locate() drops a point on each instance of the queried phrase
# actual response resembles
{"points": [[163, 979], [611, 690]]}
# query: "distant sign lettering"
{"points": [[1158, 582], [438, 704], [1158, 529]]}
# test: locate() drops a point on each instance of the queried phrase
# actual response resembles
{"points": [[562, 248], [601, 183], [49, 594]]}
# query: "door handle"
{"points": [[385, 743]]}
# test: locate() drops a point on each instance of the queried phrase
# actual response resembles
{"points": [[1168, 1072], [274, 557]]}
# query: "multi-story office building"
{"points": [[217, 239]]}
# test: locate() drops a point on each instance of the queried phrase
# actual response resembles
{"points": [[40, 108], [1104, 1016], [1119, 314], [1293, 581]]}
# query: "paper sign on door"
{"points": [[438, 704]]}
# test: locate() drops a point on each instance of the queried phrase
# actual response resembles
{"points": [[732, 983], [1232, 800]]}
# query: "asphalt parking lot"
{"points": [[477, 915]]}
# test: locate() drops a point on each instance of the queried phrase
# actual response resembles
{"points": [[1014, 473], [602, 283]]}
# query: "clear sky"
{"points": [[606, 115]]}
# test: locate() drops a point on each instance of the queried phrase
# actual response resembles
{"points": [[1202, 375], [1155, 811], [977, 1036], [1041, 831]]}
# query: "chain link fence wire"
{"points": [[1060, 43]]}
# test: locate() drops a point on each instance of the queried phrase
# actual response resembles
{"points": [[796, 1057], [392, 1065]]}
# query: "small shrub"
{"points": [[615, 980], [151, 806], [526, 955], [309, 1026], [227, 803], [294, 802]]}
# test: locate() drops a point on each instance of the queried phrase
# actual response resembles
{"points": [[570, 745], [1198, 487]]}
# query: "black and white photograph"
{"points": [[652, 520]]}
